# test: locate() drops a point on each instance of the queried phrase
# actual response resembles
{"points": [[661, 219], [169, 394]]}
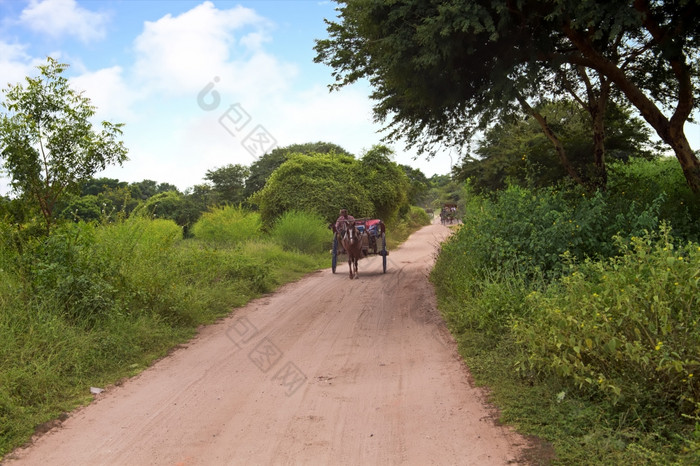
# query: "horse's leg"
{"points": [[350, 263], [355, 261]]}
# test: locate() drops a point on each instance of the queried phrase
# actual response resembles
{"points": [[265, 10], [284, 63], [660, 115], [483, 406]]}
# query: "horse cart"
{"points": [[448, 213], [373, 239]]}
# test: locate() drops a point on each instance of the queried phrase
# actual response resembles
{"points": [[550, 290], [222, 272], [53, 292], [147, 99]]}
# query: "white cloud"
{"points": [[173, 139], [181, 54], [15, 64], [108, 92], [64, 17]]}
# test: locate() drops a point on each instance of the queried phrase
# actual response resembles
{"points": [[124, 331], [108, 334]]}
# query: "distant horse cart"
{"points": [[448, 213], [371, 238]]}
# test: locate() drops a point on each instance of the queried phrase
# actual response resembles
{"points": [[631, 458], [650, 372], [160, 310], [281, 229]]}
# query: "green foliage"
{"points": [[95, 186], [419, 185], [262, 168], [516, 151], [65, 271], [625, 329], [145, 189], [227, 224], [47, 141], [386, 183], [642, 181], [170, 205], [527, 231], [580, 313], [229, 183], [301, 231], [438, 67], [322, 183], [86, 208], [420, 59]]}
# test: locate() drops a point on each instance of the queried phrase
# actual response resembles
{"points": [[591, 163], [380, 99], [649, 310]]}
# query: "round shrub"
{"points": [[227, 224], [301, 231]]}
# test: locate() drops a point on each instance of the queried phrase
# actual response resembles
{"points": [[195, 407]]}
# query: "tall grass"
{"points": [[301, 231], [398, 231], [227, 224], [94, 303]]}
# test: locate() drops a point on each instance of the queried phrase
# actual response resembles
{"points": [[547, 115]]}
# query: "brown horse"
{"points": [[352, 243]]}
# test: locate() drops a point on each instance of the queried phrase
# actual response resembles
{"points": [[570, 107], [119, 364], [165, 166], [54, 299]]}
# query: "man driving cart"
{"points": [[341, 224]]}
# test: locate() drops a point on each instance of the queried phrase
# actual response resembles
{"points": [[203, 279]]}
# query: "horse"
{"points": [[352, 243]]}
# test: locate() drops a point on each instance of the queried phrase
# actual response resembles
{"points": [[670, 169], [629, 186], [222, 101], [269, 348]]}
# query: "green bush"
{"points": [[417, 217], [227, 225], [581, 319], [625, 329], [526, 231], [301, 231], [321, 183], [644, 182], [66, 271]]}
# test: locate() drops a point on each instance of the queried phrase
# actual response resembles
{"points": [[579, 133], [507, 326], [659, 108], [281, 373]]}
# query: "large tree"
{"points": [[437, 67], [320, 183], [145, 189], [419, 184], [47, 142], [654, 64], [386, 182], [228, 183], [262, 168], [516, 149]]}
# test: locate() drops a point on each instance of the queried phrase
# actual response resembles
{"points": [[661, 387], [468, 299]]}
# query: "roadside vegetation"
{"points": [[580, 313]]}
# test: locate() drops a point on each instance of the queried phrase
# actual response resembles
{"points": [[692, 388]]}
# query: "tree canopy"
{"points": [[262, 168], [441, 69], [320, 183], [228, 183], [516, 149], [325, 183], [47, 142], [387, 184]]}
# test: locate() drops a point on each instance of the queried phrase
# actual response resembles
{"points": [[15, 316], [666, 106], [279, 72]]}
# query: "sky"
{"points": [[198, 84]]}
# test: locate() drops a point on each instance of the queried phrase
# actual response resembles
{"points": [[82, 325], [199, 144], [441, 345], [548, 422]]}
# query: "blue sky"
{"points": [[198, 84]]}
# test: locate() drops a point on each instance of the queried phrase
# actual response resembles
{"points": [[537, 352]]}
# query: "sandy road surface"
{"points": [[327, 370]]}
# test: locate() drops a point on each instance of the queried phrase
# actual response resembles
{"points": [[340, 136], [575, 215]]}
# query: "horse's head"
{"points": [[351, 232]]}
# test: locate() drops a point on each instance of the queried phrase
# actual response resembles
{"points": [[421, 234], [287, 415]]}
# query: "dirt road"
{"points": [[326, 370]]}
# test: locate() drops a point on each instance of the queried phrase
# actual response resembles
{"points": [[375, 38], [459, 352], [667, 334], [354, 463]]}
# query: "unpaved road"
{"points": [[327, 370]]}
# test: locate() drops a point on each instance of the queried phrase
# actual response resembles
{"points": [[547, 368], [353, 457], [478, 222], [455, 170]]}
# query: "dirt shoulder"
{"points": [[326, 370]]}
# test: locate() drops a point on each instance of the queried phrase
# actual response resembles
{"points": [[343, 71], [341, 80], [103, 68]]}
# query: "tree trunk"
{"points": [[670, 131], [558, 146], [598, 107]]}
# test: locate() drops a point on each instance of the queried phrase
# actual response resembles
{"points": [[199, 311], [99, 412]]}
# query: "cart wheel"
{"points": [[383, 252], [334, 260]]}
